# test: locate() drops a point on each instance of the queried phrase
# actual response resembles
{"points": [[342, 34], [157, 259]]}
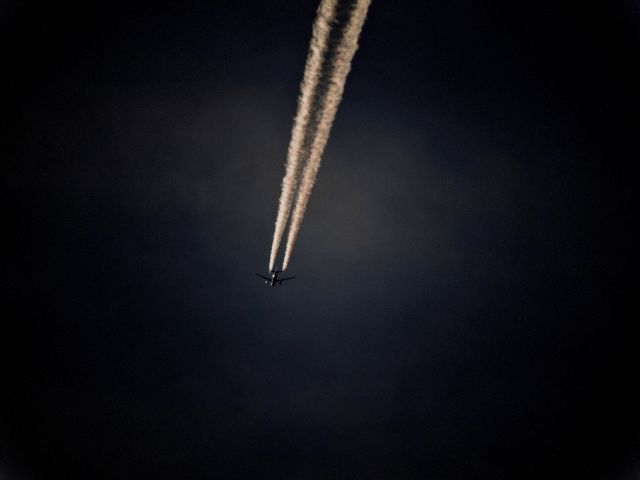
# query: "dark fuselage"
{"points": [[274, 278]]}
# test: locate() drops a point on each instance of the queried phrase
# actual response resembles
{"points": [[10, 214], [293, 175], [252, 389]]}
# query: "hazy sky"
{"points": [[460, 306]]}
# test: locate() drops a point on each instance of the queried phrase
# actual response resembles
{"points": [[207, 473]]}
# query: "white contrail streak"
{"points": [[313, 69], [328, 105]]}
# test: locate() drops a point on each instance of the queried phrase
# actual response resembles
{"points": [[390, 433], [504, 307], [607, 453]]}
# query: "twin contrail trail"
{"points": [[315, 60], [321, 90]]}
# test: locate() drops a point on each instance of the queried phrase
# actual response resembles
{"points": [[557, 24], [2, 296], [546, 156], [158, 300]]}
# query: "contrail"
{"points": [[327, 105], [325, 16]]}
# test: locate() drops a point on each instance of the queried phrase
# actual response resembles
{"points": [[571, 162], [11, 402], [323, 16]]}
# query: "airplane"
{"points": [[274, 278]]}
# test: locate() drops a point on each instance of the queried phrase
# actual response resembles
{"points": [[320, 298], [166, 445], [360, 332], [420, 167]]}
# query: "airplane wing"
{"points": [[283, 279], [262, 276]]}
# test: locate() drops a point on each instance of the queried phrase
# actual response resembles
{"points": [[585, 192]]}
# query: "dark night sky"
{"points": [[460, 307]]}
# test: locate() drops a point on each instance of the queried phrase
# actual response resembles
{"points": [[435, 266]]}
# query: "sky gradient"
{"points": [[460, 307]]}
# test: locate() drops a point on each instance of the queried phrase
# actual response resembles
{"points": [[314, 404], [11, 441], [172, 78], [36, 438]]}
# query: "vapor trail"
{"points": [[313, 69], [328, 105]]}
